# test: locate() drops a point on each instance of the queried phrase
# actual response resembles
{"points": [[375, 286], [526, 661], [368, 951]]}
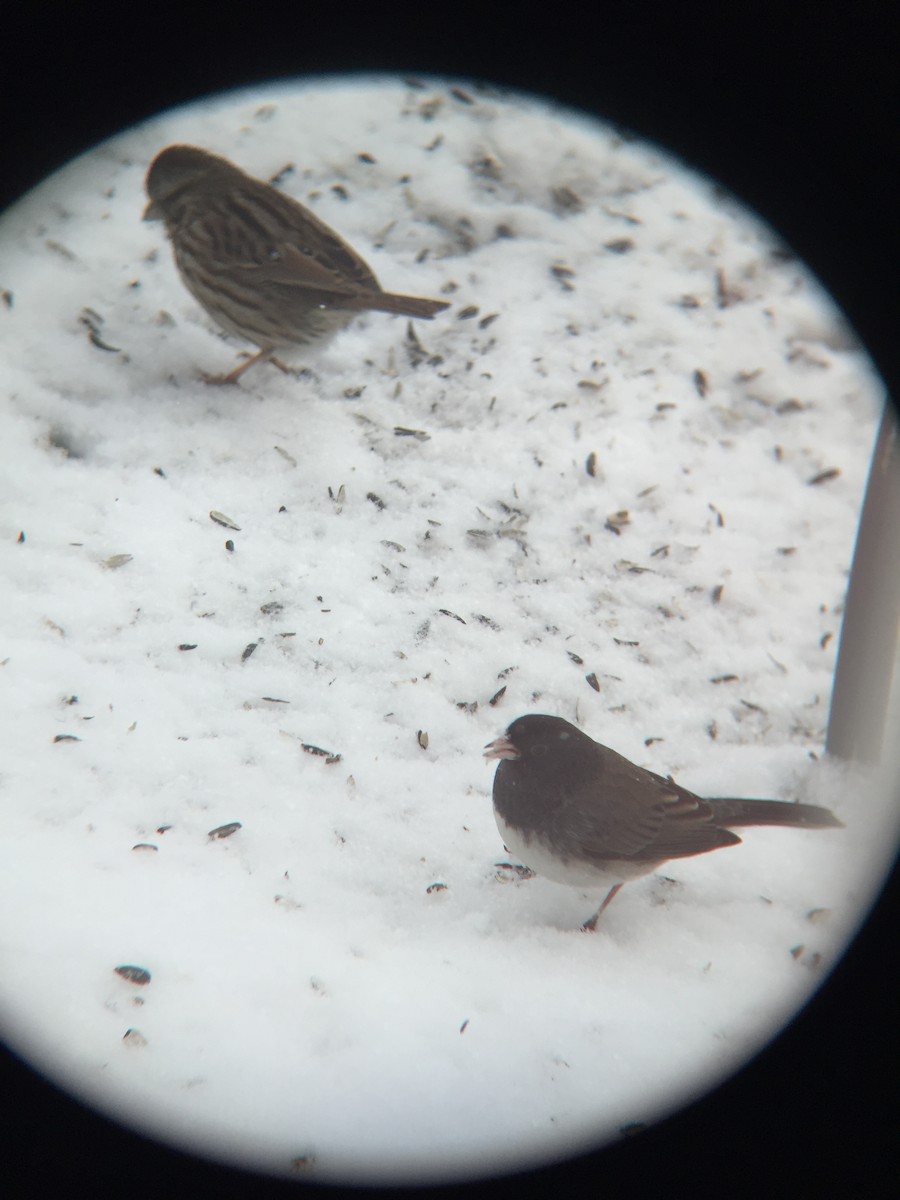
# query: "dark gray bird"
{"points": [[579, 813]]}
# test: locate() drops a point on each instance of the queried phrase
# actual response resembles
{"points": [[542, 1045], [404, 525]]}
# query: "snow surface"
{"points": [[607, 507]]}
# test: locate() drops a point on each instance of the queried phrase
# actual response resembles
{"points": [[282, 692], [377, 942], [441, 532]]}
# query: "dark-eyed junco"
{"points": [[579, 813]]}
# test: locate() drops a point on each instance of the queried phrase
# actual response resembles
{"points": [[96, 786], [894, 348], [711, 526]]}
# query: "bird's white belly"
{"points": [[575, 872]]}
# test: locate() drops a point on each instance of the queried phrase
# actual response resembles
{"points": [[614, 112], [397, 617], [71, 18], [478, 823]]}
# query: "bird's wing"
{"points": [[638, 814], [297, 268]]}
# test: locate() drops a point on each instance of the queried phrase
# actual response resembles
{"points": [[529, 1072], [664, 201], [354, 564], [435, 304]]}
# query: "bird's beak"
{"points": [[501, 747], [152, 212]]}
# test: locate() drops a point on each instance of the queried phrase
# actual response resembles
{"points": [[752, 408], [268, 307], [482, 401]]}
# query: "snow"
{"points": [[316, 1005]]}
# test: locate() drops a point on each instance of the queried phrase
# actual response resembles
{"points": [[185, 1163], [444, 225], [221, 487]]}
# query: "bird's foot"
{"points": [[234, 376], [590, 925]]}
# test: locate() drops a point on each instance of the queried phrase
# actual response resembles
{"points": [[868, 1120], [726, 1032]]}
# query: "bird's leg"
{"points": [[296, 372], [590, 925], [234, 376]]}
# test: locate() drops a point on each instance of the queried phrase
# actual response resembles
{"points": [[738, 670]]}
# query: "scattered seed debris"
{"points": [[221, 519], [623, 245], [328, 755], [818, 915], [422, 738], [486, 167], [723, 678], [513, 871], [66, 737], [824, 476], [61, 250], [701, 382], [497, 697], [617, 521], [825, 639], [726, 295], [265, 114], [92, 321], [419, 434], [593, 681], [137, 975], [288, 458], [188, 645], [566, 199], [376, 500], [271, 607], [447, 613], [134, 1038], [145, 846], [576, 658], [248, 650], [224, 831], [563, 274], [415, 351], [716, 594], [436, 887], [482, 619], [117, 560], [590, 464], [464, 1026]]}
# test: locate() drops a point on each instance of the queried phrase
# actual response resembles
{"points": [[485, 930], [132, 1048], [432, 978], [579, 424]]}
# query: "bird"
{"points": [[579, 813], [264, 267]]}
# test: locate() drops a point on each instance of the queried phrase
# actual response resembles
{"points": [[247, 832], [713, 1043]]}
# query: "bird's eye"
{"points": [[273, 254], [538, 751]]}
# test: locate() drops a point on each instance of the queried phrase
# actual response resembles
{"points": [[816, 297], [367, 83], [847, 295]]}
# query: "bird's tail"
{"points": [[404, 306], [732, 812]]}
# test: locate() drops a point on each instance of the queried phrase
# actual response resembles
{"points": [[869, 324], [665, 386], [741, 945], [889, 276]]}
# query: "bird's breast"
{"points": [[548, 860]]}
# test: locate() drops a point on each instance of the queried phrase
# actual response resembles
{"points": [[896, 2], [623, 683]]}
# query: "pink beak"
{"points": [[501, 747]]}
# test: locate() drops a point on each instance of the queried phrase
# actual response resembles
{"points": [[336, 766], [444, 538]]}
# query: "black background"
{"points": [[795, 108]]}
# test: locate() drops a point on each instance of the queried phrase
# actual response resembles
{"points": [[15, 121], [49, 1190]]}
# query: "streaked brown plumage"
{"points": [[579, 813], [263, 266]]}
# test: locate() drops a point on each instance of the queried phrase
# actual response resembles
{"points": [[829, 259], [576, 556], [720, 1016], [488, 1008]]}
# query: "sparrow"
{"points": [[264, 267]]}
